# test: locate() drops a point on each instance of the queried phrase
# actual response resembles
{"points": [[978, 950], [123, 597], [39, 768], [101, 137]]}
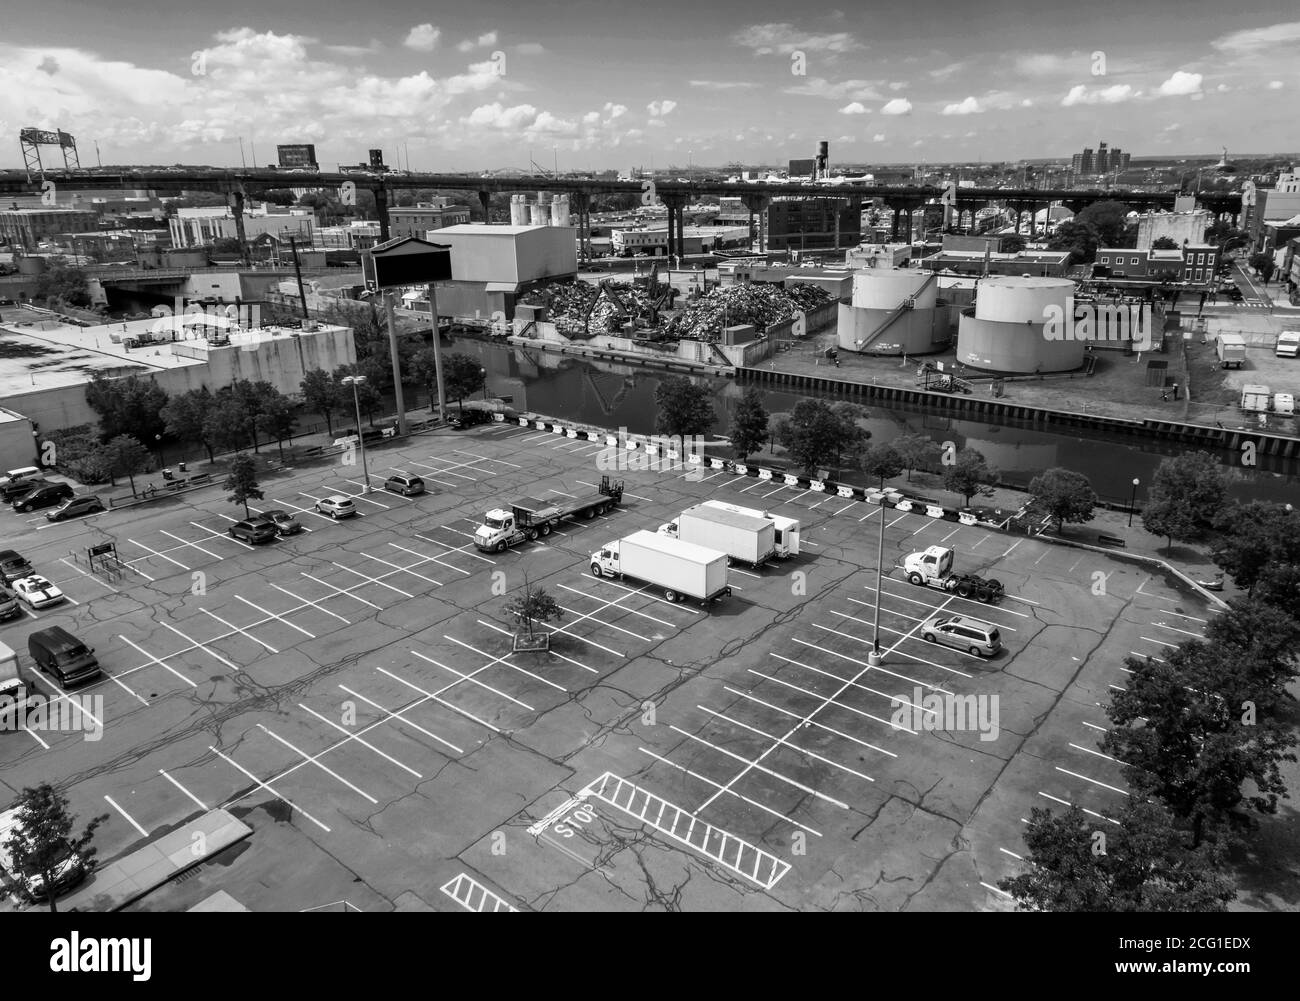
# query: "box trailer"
{"points": [[1255, 398], [682, 569], [787, 529], [1231, 349], [743, 537]]}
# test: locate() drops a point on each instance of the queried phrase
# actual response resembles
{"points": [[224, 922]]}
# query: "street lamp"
{"points": [[875, 658], [1132, 501], [162, 457], [483, 375], [354, 381]]}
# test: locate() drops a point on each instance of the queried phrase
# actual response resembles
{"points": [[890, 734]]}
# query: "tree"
{"points": [[462, 376], [127, 406], [1079, 238], [1186, 497], [1279, 587], [1013, 243], [423, 369], [242, 481], [817, 434], [1187, 739], [1263, 264], [42, 839], [276, 418], [917, 452], [749, 422], [683, 407], [1108, 219], [366, 399], [127, 457], [224, 424], [64, 284], [227, 245], [882, 462], [280, 196], [1063, 495], [1164, 243], [321, 393], [533, 605], [1143, 864], [1256, 534], [969, 475], [185, 417]]}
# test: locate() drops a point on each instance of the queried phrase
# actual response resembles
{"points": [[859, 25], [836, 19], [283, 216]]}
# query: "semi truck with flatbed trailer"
{"points": [[787, 529], [531, 517], [743, 537], [683, 569], [934, 568]]}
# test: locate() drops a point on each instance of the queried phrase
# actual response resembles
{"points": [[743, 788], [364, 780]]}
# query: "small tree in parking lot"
{"points": [[533, 605], [43, 840], [242, 481], [969, 475]]}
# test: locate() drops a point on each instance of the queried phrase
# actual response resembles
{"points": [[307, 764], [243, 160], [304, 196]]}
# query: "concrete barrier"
{"points": [[816, 485], [742, 470], [791, 481], [765, 474], [845, 492]]}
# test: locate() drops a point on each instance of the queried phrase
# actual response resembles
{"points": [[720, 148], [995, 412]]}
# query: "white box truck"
{"points": [[13, 689], [682, 569], [1231, 349], [1255, 398], [787, 529], [1288, 344], [743, 537]]}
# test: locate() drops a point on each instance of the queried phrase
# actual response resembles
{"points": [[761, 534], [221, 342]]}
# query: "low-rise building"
{"points": [[1195, 263], [27, 228], [1035, 263], [416, 220]]}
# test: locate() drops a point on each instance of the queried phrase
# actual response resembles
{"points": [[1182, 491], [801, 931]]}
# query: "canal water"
{"points": [[613, 395]]}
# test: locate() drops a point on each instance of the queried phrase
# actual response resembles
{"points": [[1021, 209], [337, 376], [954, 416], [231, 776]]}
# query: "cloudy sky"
{"points": [[595, 83]]}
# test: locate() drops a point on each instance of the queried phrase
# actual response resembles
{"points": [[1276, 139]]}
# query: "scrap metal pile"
{"points": [[567, 303], [759, 304]]}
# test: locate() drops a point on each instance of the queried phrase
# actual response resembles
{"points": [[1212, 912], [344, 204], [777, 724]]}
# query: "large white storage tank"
{"points": [[1005, 332], [518, 210], [560, 210], [878, 319]]}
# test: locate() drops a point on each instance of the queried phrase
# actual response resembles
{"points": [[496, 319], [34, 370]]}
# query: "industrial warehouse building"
{"points": [[492, 266], [895, 312], [1005, 330], [813, 224]]}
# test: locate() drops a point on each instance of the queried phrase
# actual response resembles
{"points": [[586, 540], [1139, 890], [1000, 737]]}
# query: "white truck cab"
{"points": [[930, 566], [498, 526]]}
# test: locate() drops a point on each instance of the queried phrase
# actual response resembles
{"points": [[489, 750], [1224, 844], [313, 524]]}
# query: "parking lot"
{"points": [[353, 687]]}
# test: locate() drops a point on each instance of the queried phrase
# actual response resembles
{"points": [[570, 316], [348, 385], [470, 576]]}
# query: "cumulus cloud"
{"points": [[1181, 84], [879, 137], [1041, 64], [530, 48], [482, 42], [1115, 94], [723, 84], [897, 85], [658, 109], [422, 38], [898, 106], [970, 106], [943, 72], [855, 108], [1253, 40], [615, 110], [785, 38], [856, 90]]}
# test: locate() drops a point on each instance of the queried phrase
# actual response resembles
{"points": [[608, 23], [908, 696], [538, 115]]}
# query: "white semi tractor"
{"points": [[743, 537], [787, 529], [682, 569]]}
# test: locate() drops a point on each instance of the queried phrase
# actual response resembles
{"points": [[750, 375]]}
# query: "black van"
{"points": [[62, 656]]}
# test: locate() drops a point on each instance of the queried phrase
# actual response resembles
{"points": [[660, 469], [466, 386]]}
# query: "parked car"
{"points": [[252, 531], [964, 633], [13, 567], [468, 419], [336, 506], [61, 655], [283, 521], [9, 607], [43, 496], [76, 508], [404, 484], [37, 592], [68, 869], [16, 482]]}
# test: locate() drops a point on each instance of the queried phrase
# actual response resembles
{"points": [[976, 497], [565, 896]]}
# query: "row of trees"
{"points": [[1202, 734], [232, 418]]}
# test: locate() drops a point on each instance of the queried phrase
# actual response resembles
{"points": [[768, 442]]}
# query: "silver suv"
{"points": [[964, 633]]}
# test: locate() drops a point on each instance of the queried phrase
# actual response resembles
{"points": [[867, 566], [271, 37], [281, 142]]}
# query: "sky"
{"points": [[593, 84]]}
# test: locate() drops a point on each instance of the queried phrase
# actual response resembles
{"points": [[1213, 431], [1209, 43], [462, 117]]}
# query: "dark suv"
{"points": [[43, 496], [13, 566], [253, 531]]}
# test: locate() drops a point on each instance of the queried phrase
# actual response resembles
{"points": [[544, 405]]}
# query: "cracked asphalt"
{"points": [[351, 695]]}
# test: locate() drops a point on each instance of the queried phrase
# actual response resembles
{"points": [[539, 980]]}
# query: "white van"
{"points": [[1288, 344]]}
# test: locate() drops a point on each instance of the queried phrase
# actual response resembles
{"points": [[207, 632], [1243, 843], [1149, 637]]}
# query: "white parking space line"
{"points": [[901, 517], [1085, 778], [820, 726], [461, 676], [279, 618], [169, 778], [1175, 629], [158, 660], [626, 493], [127, 817], [853, 682], [875, 510], [183, 542], [154, 552], [1089, 750], [1013, 546], [373, 580], [313, 760], [431, 559], [434, 697], [506, 632], [814, 695], [465, 550], [1067, 803], [922, 590], [263, 785], [753, 765], [302, 510], [786, 742], [561, 493], [410, 569], [341, 592], [642, 590], [1148, 639], [308, 601], [863, 663], [844, 508], [195, 645], [504, 661], [358, 739], [64, 560], [753, 485], [634, 611], [238, 629], [400, 718], [223, 536], [486, 458]]}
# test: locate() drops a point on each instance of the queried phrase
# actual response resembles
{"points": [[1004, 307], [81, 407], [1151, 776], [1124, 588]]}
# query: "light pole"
{"points": [[1132, 501], [875, 658], [162, 457], [354, 381], [483, 375]]}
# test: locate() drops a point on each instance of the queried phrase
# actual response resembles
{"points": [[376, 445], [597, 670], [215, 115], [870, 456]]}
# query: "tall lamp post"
{"points": [[354, 381], [483, 375], [162, 456], [875, 658], [1132, 501]]}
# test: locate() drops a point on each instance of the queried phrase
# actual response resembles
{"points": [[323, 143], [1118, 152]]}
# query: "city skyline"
{"points": [[453, 91]]}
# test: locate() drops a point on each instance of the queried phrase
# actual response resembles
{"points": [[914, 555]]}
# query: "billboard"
{"points": [[297, 155]]}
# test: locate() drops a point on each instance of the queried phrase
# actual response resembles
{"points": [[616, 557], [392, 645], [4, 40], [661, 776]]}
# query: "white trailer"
{"points": [[1231, 349], [13, 689], [743, 537], [1255, 398], [787, 529], [682, 569]]}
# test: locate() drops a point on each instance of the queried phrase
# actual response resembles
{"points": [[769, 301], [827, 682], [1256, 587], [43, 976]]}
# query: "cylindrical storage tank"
{"points": [[1006, 332], [874, 322], [518, 210], [538, 214], [560, 210]]}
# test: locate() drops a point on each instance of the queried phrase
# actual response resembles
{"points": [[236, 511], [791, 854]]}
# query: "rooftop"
{"points": [[485, 229]]}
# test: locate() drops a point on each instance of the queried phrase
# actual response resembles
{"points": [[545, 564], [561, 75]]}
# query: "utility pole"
{"points": [[437, 351], [297, 270], [397, 364]]}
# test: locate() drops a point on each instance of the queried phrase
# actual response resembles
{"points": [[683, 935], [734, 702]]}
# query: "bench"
{"points": [[1110, 540]]}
